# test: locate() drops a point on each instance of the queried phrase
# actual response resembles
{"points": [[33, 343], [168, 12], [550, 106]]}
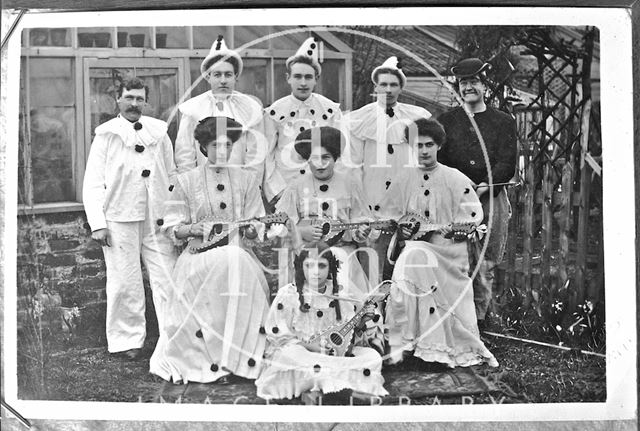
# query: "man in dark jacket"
{"points": [[463, 150]]}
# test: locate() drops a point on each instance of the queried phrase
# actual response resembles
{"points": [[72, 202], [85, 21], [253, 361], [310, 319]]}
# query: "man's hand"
{"points": [[102, 236], [310, 233], [481, 189]]}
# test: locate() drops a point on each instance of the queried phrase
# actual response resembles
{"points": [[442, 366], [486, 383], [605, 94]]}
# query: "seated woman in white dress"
{"points": [[314, 302], [430, 313], [218, 305], [322, 192]]}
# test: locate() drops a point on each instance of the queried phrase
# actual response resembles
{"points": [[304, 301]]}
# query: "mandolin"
{"points": [[332, 229], [458, 230], [338, 339], [217, 232]]}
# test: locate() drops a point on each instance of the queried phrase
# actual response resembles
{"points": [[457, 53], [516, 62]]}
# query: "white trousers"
{"points": [[125, 326]]}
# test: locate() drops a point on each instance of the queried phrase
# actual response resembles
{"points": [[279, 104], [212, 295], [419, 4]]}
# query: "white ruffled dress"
{"points": [[290, 369]]}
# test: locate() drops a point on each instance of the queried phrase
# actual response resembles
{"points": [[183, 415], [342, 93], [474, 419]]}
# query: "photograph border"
{"points": [[615, 26]]}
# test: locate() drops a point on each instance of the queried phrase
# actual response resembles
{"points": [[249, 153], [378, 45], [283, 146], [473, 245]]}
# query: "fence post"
{"points": [[565, 219], [529, 198], [583, 214], [547, 227]]}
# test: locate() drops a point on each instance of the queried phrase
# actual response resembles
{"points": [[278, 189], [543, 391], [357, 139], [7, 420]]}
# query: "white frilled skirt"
{"points": [[293, 370], [214, 318], [431, 310]]}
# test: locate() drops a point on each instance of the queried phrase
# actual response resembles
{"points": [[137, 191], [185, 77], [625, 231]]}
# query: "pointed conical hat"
{"points": [[391, 63], [220, 49], [309, 48]]}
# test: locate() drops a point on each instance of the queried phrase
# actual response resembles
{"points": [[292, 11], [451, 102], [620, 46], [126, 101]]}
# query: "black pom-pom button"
{"points": [[306, 306], [319, 313], [426, 213], [390, 149], [213, 367], [466, 190], [146, 173], [199, 333], [302, 129], [137, 126], [273, 112], [309, 52], [426, 177], [324, 188], [324, 116], [223, 205], [387, 184], [366, 372], [220, 187], [160, 222], [262, 330], [302, 171], [426, 192], [473, 214], [313, 46], [293, 114], [275, 330], [139, 148], [171, 187], [432, 310], [251, 362], [330, 111], [377, 207], [317, 368], [325, 206], [312, 111], [280, 306]]}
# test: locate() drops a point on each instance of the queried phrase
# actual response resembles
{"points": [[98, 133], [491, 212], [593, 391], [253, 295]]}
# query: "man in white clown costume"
{"points": [[126, 185], [292, 114], [222, 68], [378, 150]]}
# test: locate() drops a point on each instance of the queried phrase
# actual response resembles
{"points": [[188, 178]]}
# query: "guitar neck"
{"points": [[373, 224]]}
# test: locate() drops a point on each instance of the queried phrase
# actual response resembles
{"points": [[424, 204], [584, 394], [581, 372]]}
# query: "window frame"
{"points": [[132, 57]]}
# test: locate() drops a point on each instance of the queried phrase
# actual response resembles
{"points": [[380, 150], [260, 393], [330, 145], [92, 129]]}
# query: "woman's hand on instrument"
{"points": [[310, 233]]}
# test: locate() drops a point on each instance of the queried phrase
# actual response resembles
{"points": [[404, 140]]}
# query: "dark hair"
{"points": [[134, 83], [389, 70], [323, 251], [304, 60], [210, 128], [425, 127], [331, 139], [223, 58]]}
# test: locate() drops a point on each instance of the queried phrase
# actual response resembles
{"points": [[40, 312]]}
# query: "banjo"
{"points": [[216, 232], [338, 339], [333, 229], [458, 230]]}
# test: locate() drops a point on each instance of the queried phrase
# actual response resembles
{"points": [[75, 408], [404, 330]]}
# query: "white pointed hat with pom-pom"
{"points": [[391, 63], [220, 49], [309, 48]]}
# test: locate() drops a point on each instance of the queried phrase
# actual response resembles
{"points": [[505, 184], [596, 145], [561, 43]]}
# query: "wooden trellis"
{"points": [[553, 138]]}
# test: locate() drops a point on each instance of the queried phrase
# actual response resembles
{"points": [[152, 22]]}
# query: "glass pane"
{"points": [[171, 37], [332, 80], [202, 85], [50, 37], [99, 37], [136, 37], [247, 34], [253, 80], [52, 129], [163, 93], [290, 41], [281, 87], [203, 37]]}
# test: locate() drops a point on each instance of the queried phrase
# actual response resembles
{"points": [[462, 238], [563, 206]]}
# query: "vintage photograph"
{"points": [[318, 215]]}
